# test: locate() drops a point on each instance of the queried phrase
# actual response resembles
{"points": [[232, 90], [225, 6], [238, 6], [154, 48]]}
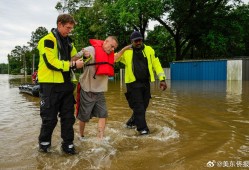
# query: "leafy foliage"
{"points": [[4, 68], [187, 29]]}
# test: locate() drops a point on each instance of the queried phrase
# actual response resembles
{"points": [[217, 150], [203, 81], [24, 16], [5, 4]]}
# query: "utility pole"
{"points": [[24, 65], [33, 67]]}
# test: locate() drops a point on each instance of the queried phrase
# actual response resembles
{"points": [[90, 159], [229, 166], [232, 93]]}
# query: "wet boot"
{"points": [[69, 149], [144, 132], [44, 147], [130, 124]]}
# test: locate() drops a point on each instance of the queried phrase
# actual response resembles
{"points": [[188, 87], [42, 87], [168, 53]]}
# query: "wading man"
{"points": [[56, 89]]}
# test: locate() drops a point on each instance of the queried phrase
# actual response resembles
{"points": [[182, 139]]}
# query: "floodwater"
{"points": [[193, 124]]}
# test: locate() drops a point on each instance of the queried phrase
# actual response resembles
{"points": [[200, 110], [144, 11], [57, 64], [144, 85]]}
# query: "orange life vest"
{"points": [[104, 62]]}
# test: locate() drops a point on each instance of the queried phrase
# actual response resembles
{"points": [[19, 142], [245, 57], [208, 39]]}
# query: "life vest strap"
{"points": [[98, 63]]}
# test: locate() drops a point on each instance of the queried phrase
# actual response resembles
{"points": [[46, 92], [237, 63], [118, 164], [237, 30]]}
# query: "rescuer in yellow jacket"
{"points": [[140, 63], [57, 57], [51, 67]]}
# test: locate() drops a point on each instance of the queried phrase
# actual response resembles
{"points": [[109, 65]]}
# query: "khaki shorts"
{"points": [[92, 104]]}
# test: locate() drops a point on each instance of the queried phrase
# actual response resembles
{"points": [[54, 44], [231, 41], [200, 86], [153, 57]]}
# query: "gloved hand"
{"points": [[163, 85]]}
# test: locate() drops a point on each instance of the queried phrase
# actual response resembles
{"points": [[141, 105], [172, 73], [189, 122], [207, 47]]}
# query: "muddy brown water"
{"points": [[193, 124]]}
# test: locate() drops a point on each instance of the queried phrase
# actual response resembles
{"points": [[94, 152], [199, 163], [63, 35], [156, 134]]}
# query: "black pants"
{"points": [[138, 96], [57, 99]]}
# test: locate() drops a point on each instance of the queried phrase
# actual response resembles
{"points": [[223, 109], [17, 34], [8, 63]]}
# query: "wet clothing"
{"points": [[87, 81], [56, 88], [57, 98], [92, 105], [92, 99], [138, 96], [139, 66]]}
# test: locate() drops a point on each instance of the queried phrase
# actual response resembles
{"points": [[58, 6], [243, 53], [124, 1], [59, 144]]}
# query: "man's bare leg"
{"points": [[82, 128], [101, 128]]}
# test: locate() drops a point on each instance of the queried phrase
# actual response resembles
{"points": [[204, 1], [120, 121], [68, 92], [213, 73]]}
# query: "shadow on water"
{"points": [[193, 125]]}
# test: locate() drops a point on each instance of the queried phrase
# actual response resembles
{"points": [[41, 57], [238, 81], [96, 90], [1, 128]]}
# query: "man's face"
{"points": [[137, 43], [65, 29], [109, 45]]}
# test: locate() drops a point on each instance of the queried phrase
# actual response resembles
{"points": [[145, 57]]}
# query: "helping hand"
{"points": [[86, 53], [163, 85], [79, 63], [83, 53]]}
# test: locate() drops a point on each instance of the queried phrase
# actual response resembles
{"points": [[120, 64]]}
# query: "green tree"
{"points": [[187, 21], [240, 33], [14, 60], [71, 6], [19, 59], [3, 68], [228, 36], [163, 45], [197, 28], [132, 14], [35, 37]]}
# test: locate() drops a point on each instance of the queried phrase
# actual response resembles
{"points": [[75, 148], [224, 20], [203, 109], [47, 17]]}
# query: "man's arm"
{"points": [[120, 53], [78, 55], [77, 61]]}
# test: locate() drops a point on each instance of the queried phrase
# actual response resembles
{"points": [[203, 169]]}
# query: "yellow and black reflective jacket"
{"points": [[153, 64], [51, 67]]}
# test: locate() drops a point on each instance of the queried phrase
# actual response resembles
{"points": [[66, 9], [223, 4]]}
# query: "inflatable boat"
{"points": [[32, 89]]}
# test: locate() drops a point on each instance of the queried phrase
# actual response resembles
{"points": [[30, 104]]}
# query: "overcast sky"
{"points": [[19, 18]]}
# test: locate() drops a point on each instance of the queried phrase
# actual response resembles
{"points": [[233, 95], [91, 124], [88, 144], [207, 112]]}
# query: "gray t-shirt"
{"points": [[87, 81]]}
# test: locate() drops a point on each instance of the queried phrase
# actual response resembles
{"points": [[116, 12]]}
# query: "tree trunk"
{"points": [[178, 47]]}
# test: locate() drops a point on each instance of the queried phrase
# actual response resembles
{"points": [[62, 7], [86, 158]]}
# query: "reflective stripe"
{"points": [[153, 64]]}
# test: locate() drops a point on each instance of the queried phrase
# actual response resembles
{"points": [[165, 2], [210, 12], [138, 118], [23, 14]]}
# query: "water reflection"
{"points": [[192, 123], [199, 86]]}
